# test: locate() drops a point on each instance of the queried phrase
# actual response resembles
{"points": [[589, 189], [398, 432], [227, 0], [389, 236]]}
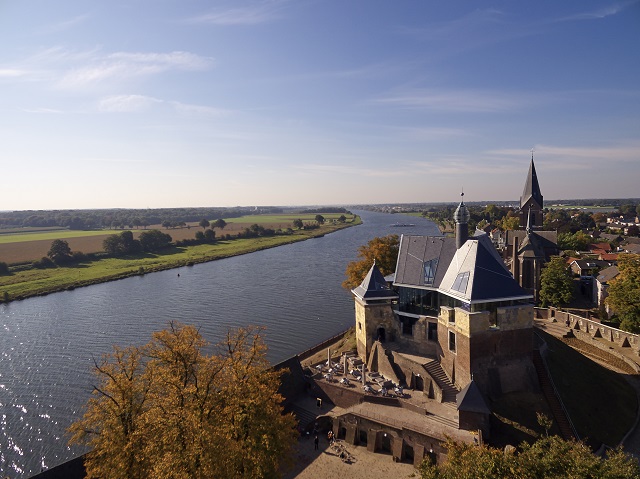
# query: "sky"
{"points": [[168, 103]]}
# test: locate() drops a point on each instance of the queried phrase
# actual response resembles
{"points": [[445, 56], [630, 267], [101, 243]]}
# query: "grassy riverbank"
{"points": [[35, 282]]}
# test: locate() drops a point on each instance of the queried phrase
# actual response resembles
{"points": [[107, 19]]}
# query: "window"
{"points": [[432, 331], [452, 341], [430, 271], [460, 284]]}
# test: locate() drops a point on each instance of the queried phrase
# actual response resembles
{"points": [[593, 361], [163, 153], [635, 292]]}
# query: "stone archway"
{"points": [[382, 334]]}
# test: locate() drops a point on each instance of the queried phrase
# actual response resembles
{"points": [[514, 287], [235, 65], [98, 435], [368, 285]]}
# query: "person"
{"points": [[315, 442]]}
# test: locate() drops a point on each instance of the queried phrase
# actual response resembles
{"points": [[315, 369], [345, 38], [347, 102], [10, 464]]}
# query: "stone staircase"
{"points": [[449, 391], [559, 416], [304, 417]]}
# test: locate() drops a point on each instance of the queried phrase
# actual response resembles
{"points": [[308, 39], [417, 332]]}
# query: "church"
{"points": [[527, 249]]}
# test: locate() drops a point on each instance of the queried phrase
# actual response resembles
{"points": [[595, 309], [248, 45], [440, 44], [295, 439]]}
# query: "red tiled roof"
{"points": [[609, 257], [603, 246]]}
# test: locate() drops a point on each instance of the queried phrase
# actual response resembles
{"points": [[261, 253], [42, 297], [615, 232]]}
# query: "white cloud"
{"points": [[12, 72], [602, 12], [127, 103], [124, 65], [262, 12], [629, 151], [455, 100], [65, 25], [197, 109]]}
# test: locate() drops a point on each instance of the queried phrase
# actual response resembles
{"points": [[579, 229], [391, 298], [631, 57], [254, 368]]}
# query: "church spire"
{"points": [[531, 187]]}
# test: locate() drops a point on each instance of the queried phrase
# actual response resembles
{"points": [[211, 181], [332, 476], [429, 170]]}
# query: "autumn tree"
{"points": [[556, 283], [548, 457], [167, 410], [319, 219], [382, 250], [624, 292], [297, 223]]}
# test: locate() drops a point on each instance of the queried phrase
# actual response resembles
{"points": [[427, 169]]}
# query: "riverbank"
{"points": [[37, 282]]}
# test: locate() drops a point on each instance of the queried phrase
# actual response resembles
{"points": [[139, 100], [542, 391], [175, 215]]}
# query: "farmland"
{"points": [[17, 247], [31, 282]]}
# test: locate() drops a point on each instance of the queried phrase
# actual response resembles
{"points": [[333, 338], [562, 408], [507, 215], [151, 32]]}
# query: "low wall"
{"points": [[323, 345], [584, 328]]}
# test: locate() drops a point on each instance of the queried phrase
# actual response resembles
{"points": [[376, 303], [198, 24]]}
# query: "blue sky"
{"points": [[164, 103]]}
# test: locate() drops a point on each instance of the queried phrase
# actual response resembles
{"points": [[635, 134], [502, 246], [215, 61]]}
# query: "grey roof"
{"points": [[531, 187], [547, 240], [474, 273], [374, 286], [591, 263], [608, 274], [470, 399], [532, 246]]}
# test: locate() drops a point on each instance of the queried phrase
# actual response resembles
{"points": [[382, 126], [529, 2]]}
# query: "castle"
{"points": [[454, 324]]}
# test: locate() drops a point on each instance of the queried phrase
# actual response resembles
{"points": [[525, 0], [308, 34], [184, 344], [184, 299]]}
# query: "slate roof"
{"points": [[548, 240], [608, 274], [532, 246], [474, 274], [531, 187], [374, 286], [470, 399]]}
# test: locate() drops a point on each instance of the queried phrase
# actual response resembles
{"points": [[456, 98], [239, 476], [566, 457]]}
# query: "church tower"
{"points": [[531, 201]]}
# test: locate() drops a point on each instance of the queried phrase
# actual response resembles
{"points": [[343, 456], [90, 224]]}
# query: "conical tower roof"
{"points": [[374, 286], [531, 187]]}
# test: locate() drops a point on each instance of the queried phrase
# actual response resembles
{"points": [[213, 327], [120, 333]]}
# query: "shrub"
{"points": [[44, 263], [4, 268]]}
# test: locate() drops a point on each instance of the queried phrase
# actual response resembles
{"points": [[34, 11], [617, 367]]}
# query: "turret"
{"points": [[461, 218]]}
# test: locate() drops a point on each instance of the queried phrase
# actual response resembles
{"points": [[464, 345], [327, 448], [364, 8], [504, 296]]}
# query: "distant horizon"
{"points": [[118, 103], [547, 204]]}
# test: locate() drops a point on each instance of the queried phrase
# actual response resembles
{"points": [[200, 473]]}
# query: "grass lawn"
{"points": [[32, 282]]}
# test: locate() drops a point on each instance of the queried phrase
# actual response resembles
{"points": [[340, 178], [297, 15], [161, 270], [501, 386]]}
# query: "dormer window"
{"points": [[430, 271], [461, 282]]}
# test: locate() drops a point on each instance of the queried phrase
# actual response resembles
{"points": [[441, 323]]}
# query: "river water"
{"points": [[47, 343]]}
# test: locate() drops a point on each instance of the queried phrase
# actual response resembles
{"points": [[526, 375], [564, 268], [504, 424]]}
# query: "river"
{"points": [[47, 344]]}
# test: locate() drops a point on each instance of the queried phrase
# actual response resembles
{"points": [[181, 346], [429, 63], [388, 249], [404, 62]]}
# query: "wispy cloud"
{"points": [[127, 103], [12, 72], [261, 12], [138, 103], [629, 151], [64, 25], [125, 65], [42, 110], [455, 100], [603, 12]]}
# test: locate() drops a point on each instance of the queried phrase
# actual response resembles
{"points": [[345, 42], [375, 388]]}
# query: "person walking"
{"points": [[315, 442]]}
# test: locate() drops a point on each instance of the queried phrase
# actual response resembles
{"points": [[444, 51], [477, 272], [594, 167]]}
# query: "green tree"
{"points": [[556, 283], [577, 241], [219, 223], [210, 235], [382, 250], [320, 219], [59, 252], [4, 268], [154, 240], [342, 219], [547, 458], [297, 223], [167, 410], [624, 292], [204, 223], [509, 222]]}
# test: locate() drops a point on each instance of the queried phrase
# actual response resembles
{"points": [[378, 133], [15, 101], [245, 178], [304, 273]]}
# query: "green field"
{"points": [[50, 235], [33, 282]]}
